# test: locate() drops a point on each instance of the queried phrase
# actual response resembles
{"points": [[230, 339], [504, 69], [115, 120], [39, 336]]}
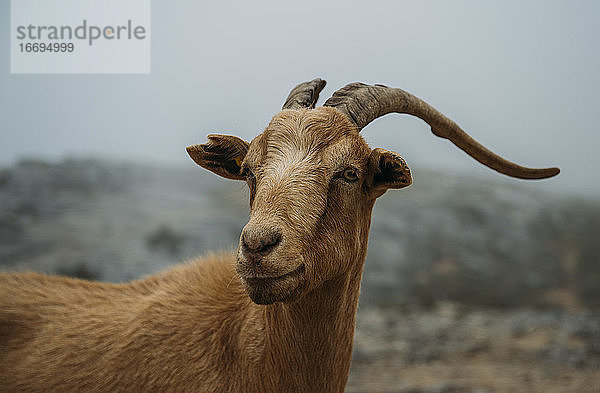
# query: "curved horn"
{"points": [[305, 95], [364, 103]]}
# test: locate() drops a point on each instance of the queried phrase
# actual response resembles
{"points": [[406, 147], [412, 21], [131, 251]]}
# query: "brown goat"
{"points": [[276, 317]]}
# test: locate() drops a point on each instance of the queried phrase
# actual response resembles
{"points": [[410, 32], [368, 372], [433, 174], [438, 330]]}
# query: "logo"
{"points": [[75, 36], [83, 32]]}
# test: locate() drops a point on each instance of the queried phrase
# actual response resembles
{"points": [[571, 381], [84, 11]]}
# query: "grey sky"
{"points": [[521, 77]]}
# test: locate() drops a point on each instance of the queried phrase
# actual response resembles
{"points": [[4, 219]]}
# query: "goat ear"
{"points": [[222, 154], [388, 170]]}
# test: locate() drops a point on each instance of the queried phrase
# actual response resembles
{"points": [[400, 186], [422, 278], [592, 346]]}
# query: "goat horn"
{"points": [[305, 95], [364, 103]]}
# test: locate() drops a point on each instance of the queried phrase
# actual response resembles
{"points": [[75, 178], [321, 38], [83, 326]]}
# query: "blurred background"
{"points": [[474, 282]]}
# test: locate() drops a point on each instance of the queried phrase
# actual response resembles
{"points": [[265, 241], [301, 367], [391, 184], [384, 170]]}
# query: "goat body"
{"points": [[190, 329]]}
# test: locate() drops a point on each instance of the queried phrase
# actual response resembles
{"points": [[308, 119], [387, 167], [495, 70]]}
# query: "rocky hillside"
{"points": [[448, 237]]}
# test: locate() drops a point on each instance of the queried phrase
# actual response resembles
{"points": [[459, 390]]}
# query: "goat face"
{"points": [[313, 181]]}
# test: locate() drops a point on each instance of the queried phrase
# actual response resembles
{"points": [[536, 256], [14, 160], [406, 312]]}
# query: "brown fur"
{"points": [[195, 328]]}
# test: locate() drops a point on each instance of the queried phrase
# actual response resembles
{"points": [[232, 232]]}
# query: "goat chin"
{"points": [[285, 288]]}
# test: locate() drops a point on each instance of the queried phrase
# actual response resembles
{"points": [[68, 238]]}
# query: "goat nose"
{"points": [[260, 241]]}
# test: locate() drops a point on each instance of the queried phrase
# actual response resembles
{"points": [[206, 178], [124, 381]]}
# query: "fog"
{"points": [[521, 77]]}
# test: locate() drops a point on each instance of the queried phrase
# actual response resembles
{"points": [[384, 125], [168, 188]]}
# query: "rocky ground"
{"points": [[455, 349]]}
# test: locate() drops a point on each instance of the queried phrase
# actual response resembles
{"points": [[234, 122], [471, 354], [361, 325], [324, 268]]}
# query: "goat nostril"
{"points": [[271, 242], [245, 245], [260, 244]]}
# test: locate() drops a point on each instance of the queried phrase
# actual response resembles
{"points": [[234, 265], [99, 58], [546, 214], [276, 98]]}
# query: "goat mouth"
{"points": [[257, 281]]}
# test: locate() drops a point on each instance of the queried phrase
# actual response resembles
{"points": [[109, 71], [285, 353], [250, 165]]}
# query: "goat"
{"points": [[278, 315]]}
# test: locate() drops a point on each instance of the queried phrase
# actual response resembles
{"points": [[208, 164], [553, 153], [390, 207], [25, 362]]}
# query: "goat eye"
{"points": [[251, 181], [250, 178], [247, 173], [350, 175]]}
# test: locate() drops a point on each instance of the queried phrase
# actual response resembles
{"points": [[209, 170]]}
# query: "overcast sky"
{"points": [[519, 76]]}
